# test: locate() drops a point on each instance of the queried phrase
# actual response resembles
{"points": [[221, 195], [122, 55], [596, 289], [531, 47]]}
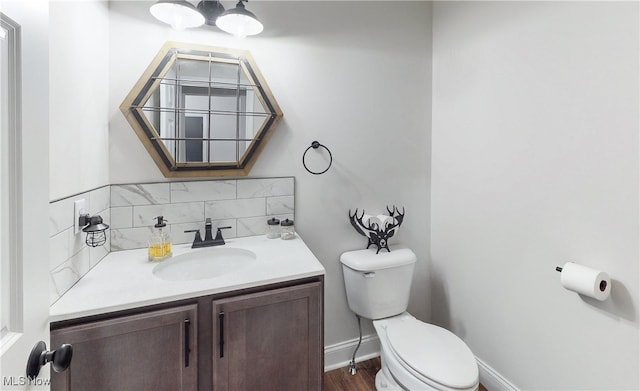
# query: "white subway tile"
{"points": [[100, 199], [252, 226], [60, 216], [227, 233], [81, 261], [178, 236], [269, 187], [130, 238], [257, 225], [141, 194], [121, 217], [280, 205], [53, 292], [59, 249], [61, 213], [96, 254], [231, 209], [203, 191], [67, 274], [76, 242], [174, 213]]}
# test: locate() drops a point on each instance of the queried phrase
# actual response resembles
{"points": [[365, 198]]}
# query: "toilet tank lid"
{"points": [[367, 260]]}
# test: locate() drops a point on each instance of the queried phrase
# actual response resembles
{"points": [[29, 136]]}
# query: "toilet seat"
{"points": [[431, 354]]}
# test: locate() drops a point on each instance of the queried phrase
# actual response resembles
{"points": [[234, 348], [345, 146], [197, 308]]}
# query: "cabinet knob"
{"points": [[59, 358]]}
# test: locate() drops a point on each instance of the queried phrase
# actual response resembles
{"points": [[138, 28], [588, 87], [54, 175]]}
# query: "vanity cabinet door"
{"points": [[270, 340], [152, 351]]}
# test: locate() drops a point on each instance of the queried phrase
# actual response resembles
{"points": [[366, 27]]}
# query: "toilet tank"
{"points": [[378, 285]]}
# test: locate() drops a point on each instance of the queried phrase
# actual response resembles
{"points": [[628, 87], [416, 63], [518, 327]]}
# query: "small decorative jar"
{"points": [[273, 228], [286, 229]]}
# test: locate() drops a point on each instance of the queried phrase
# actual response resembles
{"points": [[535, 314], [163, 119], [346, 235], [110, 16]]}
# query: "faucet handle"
{"points": [[219, 239], [198, 239]]}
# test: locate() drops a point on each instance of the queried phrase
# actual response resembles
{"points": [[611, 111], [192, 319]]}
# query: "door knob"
{"points": [[59, 358]]}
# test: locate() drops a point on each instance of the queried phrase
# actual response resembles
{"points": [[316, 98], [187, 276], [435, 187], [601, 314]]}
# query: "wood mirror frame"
{"points": [[239, 117]]}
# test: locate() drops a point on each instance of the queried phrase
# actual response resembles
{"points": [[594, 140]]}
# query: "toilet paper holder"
{"points": [[599, 282], [603, 283]]}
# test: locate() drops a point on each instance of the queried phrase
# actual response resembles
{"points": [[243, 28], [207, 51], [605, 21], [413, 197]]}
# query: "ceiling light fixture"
{"points": [[239, 21], [211, 9], [180, 14]]}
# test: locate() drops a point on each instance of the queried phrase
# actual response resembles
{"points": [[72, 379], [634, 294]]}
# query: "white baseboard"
{"points": [[492, 380], [339, 355]]}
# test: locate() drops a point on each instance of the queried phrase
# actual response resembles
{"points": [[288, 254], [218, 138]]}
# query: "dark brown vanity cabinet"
{"points": [[155, 350], [267, 338]]}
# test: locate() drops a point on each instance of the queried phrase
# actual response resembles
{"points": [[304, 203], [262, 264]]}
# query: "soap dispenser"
{"points": [[159, 242]]}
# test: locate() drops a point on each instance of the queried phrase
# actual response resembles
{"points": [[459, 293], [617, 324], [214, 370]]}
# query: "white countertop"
{"points": [[124, 279]]}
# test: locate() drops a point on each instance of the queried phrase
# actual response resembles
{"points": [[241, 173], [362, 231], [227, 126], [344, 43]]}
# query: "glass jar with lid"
{"points": [[273, 228], [287, 230]]}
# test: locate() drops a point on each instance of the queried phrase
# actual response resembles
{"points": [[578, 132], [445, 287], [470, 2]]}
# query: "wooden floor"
{"points": [[364, 380]]}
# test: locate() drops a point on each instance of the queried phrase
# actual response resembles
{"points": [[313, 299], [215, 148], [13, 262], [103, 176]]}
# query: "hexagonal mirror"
{"points": [[202, 111]]}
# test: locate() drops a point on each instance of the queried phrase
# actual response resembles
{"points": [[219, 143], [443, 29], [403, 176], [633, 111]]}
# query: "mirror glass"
{"points": [[202, 111]]}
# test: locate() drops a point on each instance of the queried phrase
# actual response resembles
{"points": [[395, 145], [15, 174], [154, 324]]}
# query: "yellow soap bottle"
{"points": [[160, 242]]}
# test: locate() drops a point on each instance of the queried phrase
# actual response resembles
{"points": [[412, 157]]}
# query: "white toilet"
{"points": [[414, 355]]}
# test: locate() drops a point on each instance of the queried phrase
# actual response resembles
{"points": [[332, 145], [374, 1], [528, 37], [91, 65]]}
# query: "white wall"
{"points": [[354, 76], [535, 163], [79, 96]]}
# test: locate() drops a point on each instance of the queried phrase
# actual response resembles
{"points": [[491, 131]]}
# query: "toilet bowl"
{"points": [[421, 356], [414, 355]]}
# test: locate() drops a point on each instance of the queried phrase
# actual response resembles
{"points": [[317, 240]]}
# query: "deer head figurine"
{"points": [[377, 231]]}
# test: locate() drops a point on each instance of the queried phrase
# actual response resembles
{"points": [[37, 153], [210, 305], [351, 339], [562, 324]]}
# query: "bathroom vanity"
{"points": [[259, 327]]}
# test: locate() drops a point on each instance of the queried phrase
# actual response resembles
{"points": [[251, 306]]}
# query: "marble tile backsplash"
{"points": [[69, 257], [243, 204]]}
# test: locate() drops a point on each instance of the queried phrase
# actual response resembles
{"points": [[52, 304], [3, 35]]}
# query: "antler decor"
{"points": [[378, 229]]}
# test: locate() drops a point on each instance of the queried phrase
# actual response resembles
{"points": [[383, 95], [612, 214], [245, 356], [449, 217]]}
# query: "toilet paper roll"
{"points": [[379, 222], [384, 221], [585, 281]]}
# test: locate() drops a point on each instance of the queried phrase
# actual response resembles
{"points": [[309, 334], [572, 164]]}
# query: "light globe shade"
{"points": [[239, 22], [180, 14]]}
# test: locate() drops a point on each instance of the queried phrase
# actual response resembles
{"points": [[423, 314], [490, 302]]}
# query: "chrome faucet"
{"points": [[209, 240]]}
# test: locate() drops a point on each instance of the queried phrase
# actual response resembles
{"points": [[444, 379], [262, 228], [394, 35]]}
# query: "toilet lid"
{"points": [[434, 352]]}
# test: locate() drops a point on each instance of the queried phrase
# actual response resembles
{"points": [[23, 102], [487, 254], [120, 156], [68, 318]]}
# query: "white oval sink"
{"points": [[204, 263]]}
